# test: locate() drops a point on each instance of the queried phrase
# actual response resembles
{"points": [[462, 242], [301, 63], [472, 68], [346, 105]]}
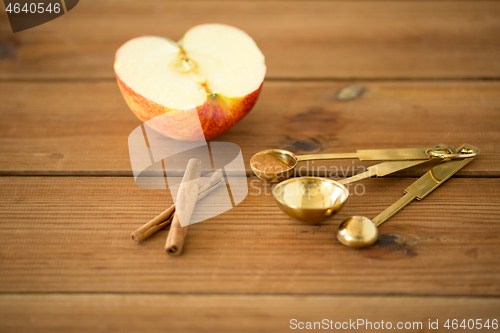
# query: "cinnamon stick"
{"points": [[154, 225], [175, 237], [186, 201], [165, 218]]}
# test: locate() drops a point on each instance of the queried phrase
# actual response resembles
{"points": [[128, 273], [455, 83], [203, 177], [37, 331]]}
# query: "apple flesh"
{"points": [[216, 69]]}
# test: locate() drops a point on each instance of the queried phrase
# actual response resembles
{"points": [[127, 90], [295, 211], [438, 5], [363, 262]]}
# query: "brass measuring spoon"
{"points": [[315, 199], [290, 160], [360, 231]]}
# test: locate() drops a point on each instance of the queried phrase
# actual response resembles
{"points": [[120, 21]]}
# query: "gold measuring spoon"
{"points": [[314, 199], [288, 161], [360, 231]]}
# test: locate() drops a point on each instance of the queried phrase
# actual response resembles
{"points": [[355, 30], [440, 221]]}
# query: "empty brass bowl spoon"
{"points": [[360, 231], [315, 199], [310, 199]]}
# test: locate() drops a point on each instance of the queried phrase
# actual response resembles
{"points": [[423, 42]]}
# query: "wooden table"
{"points": [[430, 72]]}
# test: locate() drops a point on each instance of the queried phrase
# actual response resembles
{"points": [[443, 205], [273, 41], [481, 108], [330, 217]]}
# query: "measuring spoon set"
{"points": [[315, 199]]}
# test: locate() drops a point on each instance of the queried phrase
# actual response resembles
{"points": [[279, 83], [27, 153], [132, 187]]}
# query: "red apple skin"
{"points": [[217, 115]]}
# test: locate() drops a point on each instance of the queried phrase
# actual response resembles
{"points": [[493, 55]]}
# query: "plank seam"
{"points": [[129, 175], [281, 79], [253, 294]]}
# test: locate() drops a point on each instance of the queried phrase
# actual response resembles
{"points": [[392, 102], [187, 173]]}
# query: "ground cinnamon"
{"points": [[268, 163]]}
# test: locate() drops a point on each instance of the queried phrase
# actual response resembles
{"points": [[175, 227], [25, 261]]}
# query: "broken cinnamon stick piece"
{"points": [[214, 179], [185, 203], [165, 218], [154, 225]]}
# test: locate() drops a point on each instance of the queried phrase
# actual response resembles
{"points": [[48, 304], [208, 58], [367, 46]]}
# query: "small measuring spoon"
{"points": [[290, 160], [360, 231]]}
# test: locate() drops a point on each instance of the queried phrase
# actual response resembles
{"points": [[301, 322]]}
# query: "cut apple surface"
{"points": [[216, 69]]}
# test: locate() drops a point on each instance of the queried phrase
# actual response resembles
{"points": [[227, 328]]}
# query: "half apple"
{"points": [[216, 69]]}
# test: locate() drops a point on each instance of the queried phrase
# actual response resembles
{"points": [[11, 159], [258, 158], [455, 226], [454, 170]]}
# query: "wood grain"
{"points": [[72, 234], [430, 74], [319, 39], [81, 128], [220, 313]]}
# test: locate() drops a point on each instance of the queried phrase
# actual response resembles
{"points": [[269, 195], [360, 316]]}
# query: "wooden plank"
{"points": [[81, 128], [220, 313], [72, 234], [321, 39]]}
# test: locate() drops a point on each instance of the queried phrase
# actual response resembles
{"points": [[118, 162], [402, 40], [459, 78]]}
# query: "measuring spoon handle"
{"points": [[315, 157], [401, 203], [426, 184], [381, 170], [400, 154]]}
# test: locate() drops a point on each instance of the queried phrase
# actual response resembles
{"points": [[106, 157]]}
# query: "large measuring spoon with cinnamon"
{"points": [[275, 165]]}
